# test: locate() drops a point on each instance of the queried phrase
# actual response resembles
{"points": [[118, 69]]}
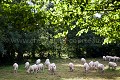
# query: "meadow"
{"points": [[62, 72]]}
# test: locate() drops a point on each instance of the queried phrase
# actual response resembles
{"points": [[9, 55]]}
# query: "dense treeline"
{"points": [[49, 29]]}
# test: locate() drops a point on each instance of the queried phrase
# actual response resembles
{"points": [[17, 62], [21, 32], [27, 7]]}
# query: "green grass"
{"points": [[62, 73]]}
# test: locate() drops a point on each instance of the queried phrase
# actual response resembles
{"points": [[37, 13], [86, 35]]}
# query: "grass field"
{"points": [[62, 72]]}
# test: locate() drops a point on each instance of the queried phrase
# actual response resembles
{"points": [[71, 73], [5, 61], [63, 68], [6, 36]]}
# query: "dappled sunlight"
{"points": [[80, 38], [117, 78], [63, 73], [118, 68], [76, 65], [85, 79], [106, 67], [65, 64]]}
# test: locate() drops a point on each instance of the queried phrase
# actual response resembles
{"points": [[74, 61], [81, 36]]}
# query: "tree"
{"points": [[39, 26], [84, 13]]}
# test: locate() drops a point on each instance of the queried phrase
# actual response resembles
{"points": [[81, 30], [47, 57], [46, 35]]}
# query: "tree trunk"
{"points": [[59, 54], [6, 57], [12, 55], [48, 55], [20, 56], [0, 58], [33, 53]]}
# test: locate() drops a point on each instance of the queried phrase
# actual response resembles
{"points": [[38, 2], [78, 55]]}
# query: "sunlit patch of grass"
{"points": [[62, 72], [118, 68], [85, 79], [75, 65]]}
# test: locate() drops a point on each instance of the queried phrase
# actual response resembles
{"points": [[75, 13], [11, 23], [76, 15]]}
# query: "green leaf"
{"points": [[81, 32]]}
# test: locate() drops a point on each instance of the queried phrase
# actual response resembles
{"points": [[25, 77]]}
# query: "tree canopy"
{"points": [[36, 26]]}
